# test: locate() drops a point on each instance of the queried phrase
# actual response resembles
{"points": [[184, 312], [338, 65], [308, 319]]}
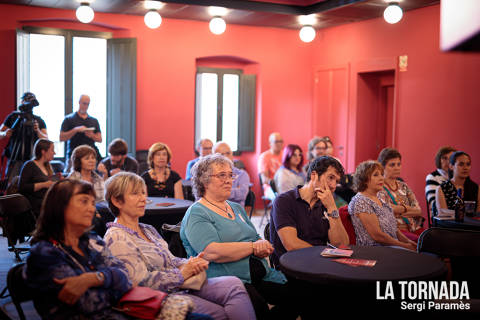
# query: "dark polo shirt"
{"points": [[74, 120], [290, 210]]}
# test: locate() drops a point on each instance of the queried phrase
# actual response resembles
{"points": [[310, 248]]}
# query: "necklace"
{"points": [[390, 187], [225, 210], [160, 185]]}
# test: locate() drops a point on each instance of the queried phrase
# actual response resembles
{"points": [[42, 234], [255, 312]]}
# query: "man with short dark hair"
{"points": [[24, 129], [80, 128], [118, 159], [307, 216], [204, 148]]}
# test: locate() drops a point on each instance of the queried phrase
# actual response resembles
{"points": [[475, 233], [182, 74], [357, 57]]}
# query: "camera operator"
{"points": [[24, 129]]}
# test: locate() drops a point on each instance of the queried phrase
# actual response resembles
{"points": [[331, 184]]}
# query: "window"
{"points": [[58, 66], [225, 107]]}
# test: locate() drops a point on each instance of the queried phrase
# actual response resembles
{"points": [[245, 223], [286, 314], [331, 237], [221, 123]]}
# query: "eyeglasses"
{"points": [[320, 148], [278, 141], [224, 176]]}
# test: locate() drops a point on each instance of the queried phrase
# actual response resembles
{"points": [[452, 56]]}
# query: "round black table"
{"points": [[157, 212], [469, 223], [392, 264]]}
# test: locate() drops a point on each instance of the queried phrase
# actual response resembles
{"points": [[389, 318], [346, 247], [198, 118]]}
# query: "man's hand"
{"points": [[324, 194], [80, 129], [90, 134], [101, 168], [262, 248]]}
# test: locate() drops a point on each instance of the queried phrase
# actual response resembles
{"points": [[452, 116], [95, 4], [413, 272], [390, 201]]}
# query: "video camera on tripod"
{"points": [[22, 140]]}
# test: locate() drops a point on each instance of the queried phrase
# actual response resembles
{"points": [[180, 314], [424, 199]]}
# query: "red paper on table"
{"points": [[356, 262], [165, 204]]}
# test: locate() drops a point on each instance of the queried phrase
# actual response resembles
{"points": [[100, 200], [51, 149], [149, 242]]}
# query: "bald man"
{"points": [[80, 128], [271, 160], [241, 184], [204, 148]]}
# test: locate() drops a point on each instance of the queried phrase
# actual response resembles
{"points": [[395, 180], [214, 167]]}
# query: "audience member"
{"points": [[269, 162], [241, 180], [71, 269], [459, 173], [23, 129], [118, 160], [372, 215], [79, 128], [150, 263], [290, 174], [37, 174], [307, 216], [160, 179], [435, 179], [84, 162], [317, 147], [204, 148], [402, 200], [222, 230]]}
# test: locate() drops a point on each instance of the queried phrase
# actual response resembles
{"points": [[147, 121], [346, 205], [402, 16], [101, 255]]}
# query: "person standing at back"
{"points": [[80, 128], [270, 160]]}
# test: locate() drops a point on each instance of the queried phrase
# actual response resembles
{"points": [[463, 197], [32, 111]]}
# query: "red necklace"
{"points": [[390, 187]]}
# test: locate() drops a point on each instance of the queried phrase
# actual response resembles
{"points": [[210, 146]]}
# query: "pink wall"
{"points": [[166, 60], [436, 98]]}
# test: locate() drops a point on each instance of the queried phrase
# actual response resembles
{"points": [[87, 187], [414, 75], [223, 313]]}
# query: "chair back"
{"points": [[171, 234], [274, 187], [142, 159], [18, 220], [250, 203], [18, 289], [462, 247], [347, 224], [429, 217]]}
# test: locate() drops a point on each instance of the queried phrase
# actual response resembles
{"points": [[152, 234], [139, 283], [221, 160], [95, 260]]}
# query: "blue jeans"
{"points": [[223, 298]]}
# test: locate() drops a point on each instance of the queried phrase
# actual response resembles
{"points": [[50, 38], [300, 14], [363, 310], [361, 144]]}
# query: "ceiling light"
{"points": [[217, 25], [217, 11], [149, 5], [85, 13], [309, 20], [152, 19], [393, 13], [307, 33]]}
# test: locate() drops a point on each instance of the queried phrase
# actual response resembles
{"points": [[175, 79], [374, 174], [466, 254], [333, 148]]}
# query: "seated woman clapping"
{"points": [[372, 215], [73, 272], [459, 183], [222, 230], [290, 174], [150, 263], [37, 174], [84, 163]]}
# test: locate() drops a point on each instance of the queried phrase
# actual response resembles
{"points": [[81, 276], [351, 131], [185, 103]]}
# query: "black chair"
{"points": [[18, 221], [275, 194], [429, 217], [142, 159], [171, 234], [250, 203], [57, 166], [267, 203], [18, 289], [266, 235], [461, 247], [345, 188]]}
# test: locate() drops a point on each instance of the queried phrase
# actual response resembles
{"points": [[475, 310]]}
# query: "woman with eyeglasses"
{"points": [[222, 230], [160, 179], [459, 182], [290, 174]]}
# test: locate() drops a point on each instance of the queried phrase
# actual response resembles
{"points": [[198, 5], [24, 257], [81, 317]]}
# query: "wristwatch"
{"points": [[100, 276], [334, 214]]}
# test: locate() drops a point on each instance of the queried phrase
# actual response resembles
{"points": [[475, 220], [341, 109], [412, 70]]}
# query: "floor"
{"points": [[7, 260]]}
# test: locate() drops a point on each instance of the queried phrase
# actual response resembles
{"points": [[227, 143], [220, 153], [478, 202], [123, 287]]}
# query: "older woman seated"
{"points": [[317, 147], [372, 216], [160, 179], [74, 272], [37, 174], [222, 231], [150, 263], [459, 184], [84, 162], [402, 199], [290, 174]]}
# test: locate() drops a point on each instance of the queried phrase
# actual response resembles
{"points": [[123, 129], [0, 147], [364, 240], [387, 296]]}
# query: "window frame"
{"points": [[220, 72]]}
